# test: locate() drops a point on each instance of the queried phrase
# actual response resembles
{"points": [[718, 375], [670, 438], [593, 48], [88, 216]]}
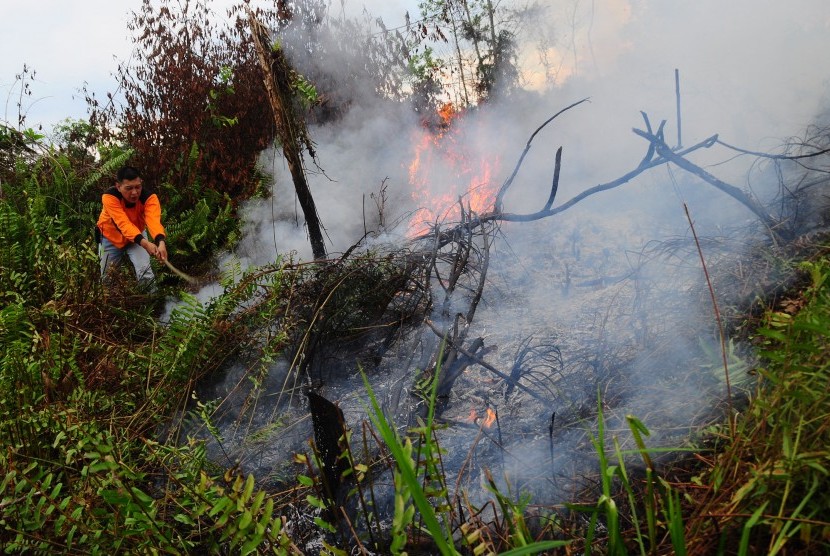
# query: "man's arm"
{"points": [[152, 216]]}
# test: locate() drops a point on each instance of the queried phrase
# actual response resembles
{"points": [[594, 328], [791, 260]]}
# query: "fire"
{"points": [[490, 419], [443, 158], [447, 112], [486, 421]]}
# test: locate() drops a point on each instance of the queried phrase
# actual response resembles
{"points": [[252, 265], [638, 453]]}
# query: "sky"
{"points": [[752, 54], [70, 43]]}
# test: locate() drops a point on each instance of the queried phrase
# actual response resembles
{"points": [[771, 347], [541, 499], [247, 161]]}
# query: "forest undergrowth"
{"points": [[91, 380]]}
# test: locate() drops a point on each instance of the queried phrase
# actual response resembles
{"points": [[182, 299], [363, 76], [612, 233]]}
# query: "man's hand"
{"points": [[161, 251]]}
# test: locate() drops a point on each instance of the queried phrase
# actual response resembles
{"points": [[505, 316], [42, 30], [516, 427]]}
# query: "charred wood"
{"points": [[489, 367], [329, 427], [752, 204]]}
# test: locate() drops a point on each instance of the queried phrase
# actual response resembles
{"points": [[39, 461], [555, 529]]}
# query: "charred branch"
{"points": [[497, 207], [657, 154], [291, 128], [534, 363], [774, 156], [668, 155], [555, 185], [466, 269], [488, 366]]}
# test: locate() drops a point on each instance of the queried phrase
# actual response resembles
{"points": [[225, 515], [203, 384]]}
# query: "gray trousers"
{"points": [[111, 255]]}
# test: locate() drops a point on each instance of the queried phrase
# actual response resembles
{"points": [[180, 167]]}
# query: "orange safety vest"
{"points": [[123, 223]]}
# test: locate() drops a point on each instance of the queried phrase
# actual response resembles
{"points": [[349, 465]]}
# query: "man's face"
{"points": [[129, 189]]}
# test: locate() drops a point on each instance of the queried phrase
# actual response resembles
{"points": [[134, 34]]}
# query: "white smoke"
{"points": [[751, 71]]}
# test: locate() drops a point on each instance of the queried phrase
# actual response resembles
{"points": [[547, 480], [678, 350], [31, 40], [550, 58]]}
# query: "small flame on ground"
{"points": [[486, 421], [490, 419]]}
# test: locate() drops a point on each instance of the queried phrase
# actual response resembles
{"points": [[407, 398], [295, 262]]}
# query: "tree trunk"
{"points": [[291, 129]]}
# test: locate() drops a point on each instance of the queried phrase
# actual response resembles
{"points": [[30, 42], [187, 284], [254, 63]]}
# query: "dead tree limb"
{"points": [[497, 206], [555, 185], [291, 128], [665, 152], [657, 154], [464, 267], [774, 156]]}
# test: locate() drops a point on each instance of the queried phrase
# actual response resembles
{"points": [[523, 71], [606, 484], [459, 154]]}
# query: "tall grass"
{"points": [[768, 489]]}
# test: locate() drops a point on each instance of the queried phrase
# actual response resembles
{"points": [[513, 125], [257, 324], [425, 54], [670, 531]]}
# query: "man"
{"points": [[129, 212]]}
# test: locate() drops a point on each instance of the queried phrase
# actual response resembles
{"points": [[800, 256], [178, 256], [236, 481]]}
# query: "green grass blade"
{"points": [[743, 548], [535, 548], [407, 471]]}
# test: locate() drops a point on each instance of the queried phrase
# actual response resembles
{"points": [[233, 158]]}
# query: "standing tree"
{"points": [[484, 48], [291, 128]]}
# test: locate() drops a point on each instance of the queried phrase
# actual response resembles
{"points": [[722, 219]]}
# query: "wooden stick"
{"points": [[187, 277], [677, 95]]}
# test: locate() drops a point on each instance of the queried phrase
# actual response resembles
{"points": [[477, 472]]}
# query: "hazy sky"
{"points": [[72, 42], [747, 56]]}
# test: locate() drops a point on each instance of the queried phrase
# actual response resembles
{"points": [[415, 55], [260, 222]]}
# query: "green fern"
{"points": [[107, 168]]}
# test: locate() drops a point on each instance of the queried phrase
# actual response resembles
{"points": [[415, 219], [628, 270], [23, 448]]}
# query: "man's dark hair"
{"points": [[127, 173]]}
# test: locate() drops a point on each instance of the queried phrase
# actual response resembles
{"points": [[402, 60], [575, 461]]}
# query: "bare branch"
{"points": [[555, 185], [773, 156], [500, 197], [666, 153]]}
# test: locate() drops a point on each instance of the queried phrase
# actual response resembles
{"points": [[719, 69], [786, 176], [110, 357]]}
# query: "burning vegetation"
{"points": [[472, 384], [533, 414]]}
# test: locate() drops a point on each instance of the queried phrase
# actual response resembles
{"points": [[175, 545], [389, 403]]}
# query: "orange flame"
{"points": [[490, 419], [486, 421], [448, 113], [440, 158]]}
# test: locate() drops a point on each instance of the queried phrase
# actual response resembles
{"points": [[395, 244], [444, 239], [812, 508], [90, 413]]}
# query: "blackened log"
{"points": [[329, 426]]}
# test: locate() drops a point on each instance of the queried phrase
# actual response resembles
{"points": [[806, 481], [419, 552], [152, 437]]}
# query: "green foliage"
{"points": [[199, 221], [423, 65], [738, 364], [225, 88], [486, 60], [651, 504], [305, 90], [778, 456], [89, 500], [407, 483], [86, 374]]}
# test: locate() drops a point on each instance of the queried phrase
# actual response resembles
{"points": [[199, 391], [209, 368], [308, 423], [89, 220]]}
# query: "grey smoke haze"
{"points": [[754, 72], [589, 279]]}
